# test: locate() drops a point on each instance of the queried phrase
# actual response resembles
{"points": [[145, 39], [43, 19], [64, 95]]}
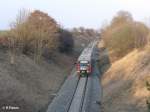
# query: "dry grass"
{"points": [[29, 85], [124, 83]]}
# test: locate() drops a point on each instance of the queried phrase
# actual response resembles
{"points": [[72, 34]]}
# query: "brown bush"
{"points": [[124, 34], [141, 31]]}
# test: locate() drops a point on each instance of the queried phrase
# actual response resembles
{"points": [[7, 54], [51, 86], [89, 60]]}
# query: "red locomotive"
{"points": [[83, 67]]}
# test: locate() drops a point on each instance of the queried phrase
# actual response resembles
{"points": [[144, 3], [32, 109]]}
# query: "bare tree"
{"points": [[17, 34], [33, 32], [45, 34]]}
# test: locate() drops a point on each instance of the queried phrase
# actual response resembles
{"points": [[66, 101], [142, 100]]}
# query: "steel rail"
{"points": [[78, 97]]}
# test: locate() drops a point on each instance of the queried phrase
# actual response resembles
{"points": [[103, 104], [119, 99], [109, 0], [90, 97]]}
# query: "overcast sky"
{"points": [[75, 13]]}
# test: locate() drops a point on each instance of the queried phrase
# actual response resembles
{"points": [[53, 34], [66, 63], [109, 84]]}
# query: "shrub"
{"points": [[66, 41]]}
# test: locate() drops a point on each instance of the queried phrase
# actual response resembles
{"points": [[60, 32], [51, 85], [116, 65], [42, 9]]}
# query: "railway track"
{"points": [[79, 95], [75, 94]]}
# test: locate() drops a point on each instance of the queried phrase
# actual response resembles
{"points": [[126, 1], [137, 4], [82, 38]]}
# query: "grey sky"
{"points": [[75, 13]]}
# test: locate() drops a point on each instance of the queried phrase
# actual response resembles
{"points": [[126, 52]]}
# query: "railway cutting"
{"points": [[76, 95]]}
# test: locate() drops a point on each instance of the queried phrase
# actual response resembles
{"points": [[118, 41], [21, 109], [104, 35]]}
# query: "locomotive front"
{"points": [[84, 67]]}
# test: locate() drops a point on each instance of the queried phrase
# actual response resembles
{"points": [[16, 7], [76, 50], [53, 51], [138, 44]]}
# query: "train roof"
{"points": [[87, 52]]}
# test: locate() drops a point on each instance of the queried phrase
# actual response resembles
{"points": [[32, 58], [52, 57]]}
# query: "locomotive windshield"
{"points": [[84, 63]]}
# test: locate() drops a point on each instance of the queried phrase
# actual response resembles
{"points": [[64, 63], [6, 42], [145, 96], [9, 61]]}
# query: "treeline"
{"points": [[86, 33], [124, 34], [83, 36], [37, 34]]}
